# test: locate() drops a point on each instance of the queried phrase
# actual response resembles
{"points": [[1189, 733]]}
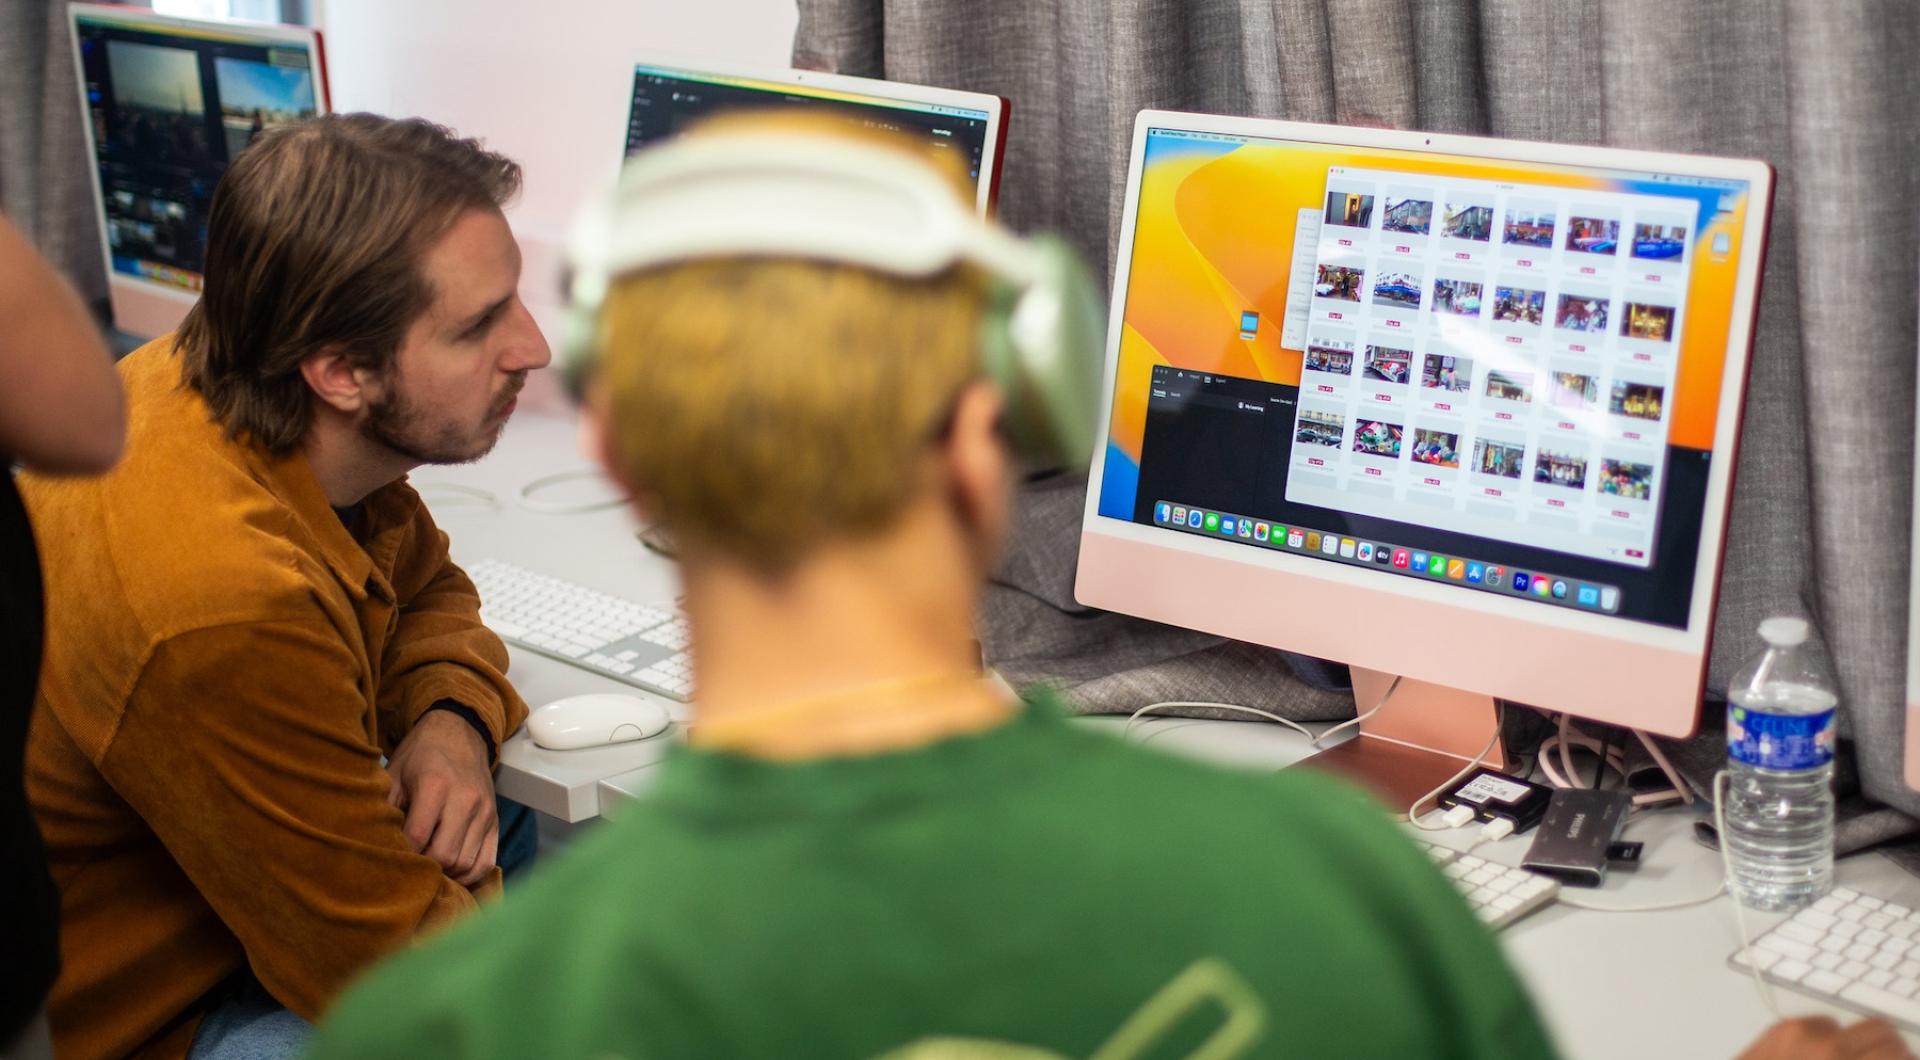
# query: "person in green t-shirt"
{"points": [[864, 850]]}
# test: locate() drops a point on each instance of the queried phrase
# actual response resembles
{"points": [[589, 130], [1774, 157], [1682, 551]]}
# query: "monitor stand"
{"points": [[1425, 734]]}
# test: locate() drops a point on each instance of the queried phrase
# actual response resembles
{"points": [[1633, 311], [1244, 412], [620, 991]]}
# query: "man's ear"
{"points": [[979, 464], [337, 380]]}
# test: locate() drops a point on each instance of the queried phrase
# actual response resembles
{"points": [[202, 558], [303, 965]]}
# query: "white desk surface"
{"points": [[1636, 985]]}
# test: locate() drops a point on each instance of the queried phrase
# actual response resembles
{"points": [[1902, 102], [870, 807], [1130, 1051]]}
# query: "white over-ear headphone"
{"points": [[821, 196]]}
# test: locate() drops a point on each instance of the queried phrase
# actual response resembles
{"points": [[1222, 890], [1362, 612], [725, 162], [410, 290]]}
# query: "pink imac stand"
{"points": [[1425, 734]]}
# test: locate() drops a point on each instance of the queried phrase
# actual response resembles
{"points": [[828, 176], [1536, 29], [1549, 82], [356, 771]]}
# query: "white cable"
{"points": [[453, 495], [1138, 714], [1563, 742], [1357, 719], [1680, 783], [1654, 907], [550, 508], [1733, 892], [1413, 812]]}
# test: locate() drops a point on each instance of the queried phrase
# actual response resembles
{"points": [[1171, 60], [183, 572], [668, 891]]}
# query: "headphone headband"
{"points": [[782, 194]]}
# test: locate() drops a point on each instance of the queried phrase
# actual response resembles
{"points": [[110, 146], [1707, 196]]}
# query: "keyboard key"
{"points": [[1822, 981], [1829, 961], [1877, 977], [1800, 932], [1851, 969], [1877, 921], [1815, 919], [1788, 947], [1759, 958], [1788, 970], [1905, 987]]}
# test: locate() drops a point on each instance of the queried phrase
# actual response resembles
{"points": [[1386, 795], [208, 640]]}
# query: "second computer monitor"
{"points": [[1457, 409], [669, 95], [168, 103]]}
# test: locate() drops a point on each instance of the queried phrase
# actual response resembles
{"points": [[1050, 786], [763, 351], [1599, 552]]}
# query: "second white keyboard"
{"points": [[1499, 894], [1848, 949], [632, 643]]}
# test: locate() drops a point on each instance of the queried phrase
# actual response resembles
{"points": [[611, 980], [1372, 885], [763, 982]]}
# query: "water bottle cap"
{"points": [[1784, 632]]}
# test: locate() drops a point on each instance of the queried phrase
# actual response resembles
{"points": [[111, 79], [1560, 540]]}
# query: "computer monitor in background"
{"points": [[668, 96], [1458, 410], [168, 103]]}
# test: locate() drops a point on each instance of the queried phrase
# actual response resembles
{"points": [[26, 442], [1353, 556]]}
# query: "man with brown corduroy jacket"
{"points": [[262, 751]]}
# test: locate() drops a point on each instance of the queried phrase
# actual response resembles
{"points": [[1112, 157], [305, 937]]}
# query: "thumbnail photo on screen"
{"points": [[1659, 242], [1593, 235], [1459, 297], [1397, 290], [1581, 313], [1442, 372], [1439, 448], [158, 108], [1529, 225], [1320, 428], [1648, 322], [1330, 355], [1510, 386], [1500, 459], [1517, 305], [1408, 214], [1388, 365], [1555, 467], [1351, 210], [1339, 281], [255, 97], [1621, 478], [1641, 401], [1574, 390], [1379, 438], [1467, 221]]}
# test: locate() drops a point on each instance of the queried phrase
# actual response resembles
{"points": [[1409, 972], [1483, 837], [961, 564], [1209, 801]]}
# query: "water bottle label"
{"points": [[1779, 741]]}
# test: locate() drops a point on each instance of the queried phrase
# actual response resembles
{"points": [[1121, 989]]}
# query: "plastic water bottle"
{"points": [[1779, 811]]}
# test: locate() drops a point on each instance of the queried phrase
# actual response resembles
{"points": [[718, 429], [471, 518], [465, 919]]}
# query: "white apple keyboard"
{"points": [[1847, 949], [1498, 894], [642, 646]]}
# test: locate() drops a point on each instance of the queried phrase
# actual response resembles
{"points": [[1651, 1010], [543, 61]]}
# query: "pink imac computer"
{"points": [[1456, 411], [167, 103]]}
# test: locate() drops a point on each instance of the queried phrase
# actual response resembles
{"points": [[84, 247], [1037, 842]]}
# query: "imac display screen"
{"points": [[666, 100], [170, 108], [1499, 375]]}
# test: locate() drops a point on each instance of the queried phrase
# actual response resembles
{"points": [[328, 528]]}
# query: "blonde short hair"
{"points": [[765, 407]]}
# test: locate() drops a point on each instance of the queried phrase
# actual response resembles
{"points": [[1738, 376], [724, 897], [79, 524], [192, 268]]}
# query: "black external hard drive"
{"points": [[1580, 827]]}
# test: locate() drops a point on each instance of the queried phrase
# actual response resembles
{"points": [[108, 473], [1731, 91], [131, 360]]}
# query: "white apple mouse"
{"points": [[594, 720]]}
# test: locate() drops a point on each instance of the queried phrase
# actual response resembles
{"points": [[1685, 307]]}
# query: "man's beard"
{"points": [[395, 422]]}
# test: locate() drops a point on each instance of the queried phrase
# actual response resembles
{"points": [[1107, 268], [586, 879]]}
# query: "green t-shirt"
{"points": [[1037, 890]]}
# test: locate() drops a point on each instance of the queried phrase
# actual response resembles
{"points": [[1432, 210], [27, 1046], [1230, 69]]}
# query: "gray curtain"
{"points": [[44, 186], [1825, 90]]}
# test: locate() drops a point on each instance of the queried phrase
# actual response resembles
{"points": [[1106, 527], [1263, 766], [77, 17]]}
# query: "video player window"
{"points": [[170, 112]]}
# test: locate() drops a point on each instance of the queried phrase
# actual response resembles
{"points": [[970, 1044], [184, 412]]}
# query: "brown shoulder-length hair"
{"points": [[314, 239]]}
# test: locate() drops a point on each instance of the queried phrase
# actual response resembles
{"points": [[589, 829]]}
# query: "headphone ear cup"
{"points": [[1044, 345]]}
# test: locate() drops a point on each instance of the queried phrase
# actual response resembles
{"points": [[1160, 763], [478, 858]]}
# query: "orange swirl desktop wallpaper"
{"points": [[1214, 237]]}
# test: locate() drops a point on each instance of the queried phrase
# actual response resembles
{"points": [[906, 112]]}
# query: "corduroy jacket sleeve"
{"points": [[439, 649], [235, 749]]}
